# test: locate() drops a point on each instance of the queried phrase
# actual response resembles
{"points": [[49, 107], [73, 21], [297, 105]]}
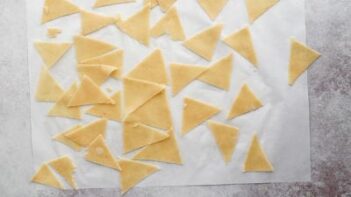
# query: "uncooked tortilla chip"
{"points": [[155, 112], [205, 42], [195, 112], [87, 48], [54, 9], [91, 22], [98, 152], [183, 74], [245, 102], [241, 41], [99, 73], [151, 3], [61, 108], [301, 57], [89, 93], [226, 138], [113, 58], [48, 89], [102, 3], [134, 172], [219, 73], [213, 7], [53, 32], [164, 151], [45, 176], [137, 26], [165, 4], [109, 111], [256, 160], [152, 69], [64, 140], [85, 135], [51, 52], [138, 92], [169, 24], [256, 8], [65, 167]]}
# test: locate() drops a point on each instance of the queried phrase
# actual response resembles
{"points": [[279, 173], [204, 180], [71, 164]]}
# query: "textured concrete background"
{"points": [[328, 31]]}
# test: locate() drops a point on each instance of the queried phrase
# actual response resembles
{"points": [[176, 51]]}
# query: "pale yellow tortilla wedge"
{"points": [[205, 42], [99, 73], [152, 68], [53, 32], [151, 3], [245, 102], [65, 167], [165, 4], [169, 24], [226, 138], [51, 52], [66, 141], [219, 73], [45, 176], [241, 42], [109, 111], [48, 90], [91, 22], [87, 48], [256, 160], [301, 57], [134, 172], [213, 7], [184, 74], [256, 8], [54, 9], [102, 3]]}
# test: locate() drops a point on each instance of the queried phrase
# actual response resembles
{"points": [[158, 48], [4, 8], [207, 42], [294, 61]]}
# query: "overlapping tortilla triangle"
{"points": [[109, 111], [99, 73], [213, 7], [45, 176], [256, 8], [165, 4], [54, 9], [51, 52], [87, 48], [61, 137], [102, 3], [65, 167], [48, 89], [91, 21]]}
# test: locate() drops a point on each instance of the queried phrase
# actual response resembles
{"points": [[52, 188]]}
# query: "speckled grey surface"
{"points": [[328, 31]]}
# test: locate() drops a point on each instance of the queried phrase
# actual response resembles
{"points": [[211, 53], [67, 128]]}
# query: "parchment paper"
{"points": [[282, 124]]}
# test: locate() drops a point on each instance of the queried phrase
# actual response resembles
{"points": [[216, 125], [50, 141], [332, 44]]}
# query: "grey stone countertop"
{"points": [[328, 31]]}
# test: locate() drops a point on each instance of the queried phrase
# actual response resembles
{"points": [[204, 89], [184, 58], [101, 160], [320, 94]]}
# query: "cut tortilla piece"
{"points": [[54, 9], [99, 73], [226, 138], [213, 7], [241, 41], [65, 167], [165, 5], [98, 152], [205, 42], [45, 176], [155, 112], [113, 58], [256, 8], [151, 3], [219, 73], [52, 32], [61, 109], [89, 93], [134, 172], [61, 137], [245, 102], [85, 135], [195, 112], [138, 92], [109, 111], [169, 24], [137, 26], [301, 57], [51, 52], [136, 135], [152, 69], [183, 74], [48, 90], [87, 48], [91, 21], [102, 3], [164, 151], [256, 160]]}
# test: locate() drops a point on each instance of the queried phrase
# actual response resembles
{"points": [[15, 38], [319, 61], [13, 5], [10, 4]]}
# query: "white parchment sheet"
{"points": [[282, 124]]}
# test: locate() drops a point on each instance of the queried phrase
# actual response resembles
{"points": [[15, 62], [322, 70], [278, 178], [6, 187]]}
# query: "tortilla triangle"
{"points": [[183, 74], [65, 167], [213, 7], [99, 73], [61, 137], [48, 89], [102, 3], [219, 73], [169, 24], [205, 42], [256, 160], [151, 3], [245, 102], [91, 21], [54, 9], [301, 57], [165, 4], [241, 41], [109, 111], [256, 8], [51, 52], [87, 48], [226, 138], [45, 176]]}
